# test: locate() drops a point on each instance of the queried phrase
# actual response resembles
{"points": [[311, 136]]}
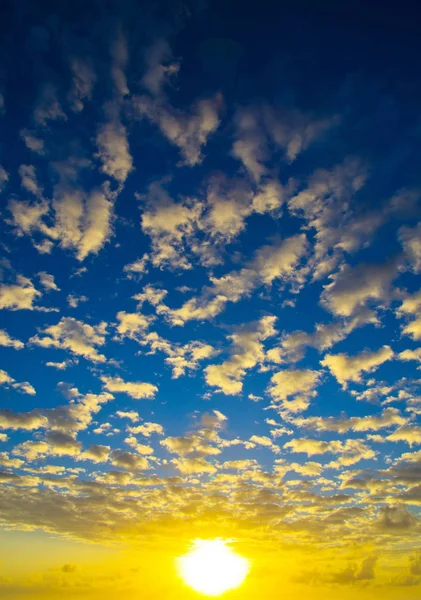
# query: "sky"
{"points": [[210, 303]]}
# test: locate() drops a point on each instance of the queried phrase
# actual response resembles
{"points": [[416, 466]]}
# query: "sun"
{"points": [[211, 567]]}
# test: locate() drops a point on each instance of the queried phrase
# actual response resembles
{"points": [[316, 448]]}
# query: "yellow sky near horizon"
{"points": [[48, 567]]}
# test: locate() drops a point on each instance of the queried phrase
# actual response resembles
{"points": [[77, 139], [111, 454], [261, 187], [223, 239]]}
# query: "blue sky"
{"points": [[211, 246]]}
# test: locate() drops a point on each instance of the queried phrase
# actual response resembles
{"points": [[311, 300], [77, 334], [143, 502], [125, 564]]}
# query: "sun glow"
{"points": [[212, 568]]}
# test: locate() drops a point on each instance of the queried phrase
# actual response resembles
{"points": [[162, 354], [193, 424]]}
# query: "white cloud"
{"points": [[29, 180], [180, 357], [47, 281], [188, 131], [20, 295], [260, 127], [84, 79], [160, 67], [275, 261], [132, 415], [411, 434], [293, 345], [147, 429], [138, 267], [410, 238], [113, 148], [133, 325], [4, 177], [48, 107], [128, 460], [60, 366], [82, 221], [75, 336], [246, 352], [120, 57], [33, 142], [74, 301], [353, 288], [293, 388], [350, 368], [325, 204], [7, 341], [389, 417], [352, 451], [8, 381], [136, 389]]}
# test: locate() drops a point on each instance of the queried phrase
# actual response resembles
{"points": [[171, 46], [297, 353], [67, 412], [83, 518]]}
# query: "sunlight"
{"points": [[212, 568]]}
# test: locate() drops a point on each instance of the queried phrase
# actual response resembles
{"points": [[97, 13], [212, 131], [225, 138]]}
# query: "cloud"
{"points": [[69, 419], [29, 180], [326, 206], [61, 366], [395, 518], [188, 131], [137, 268], [350, 368], [96, 453], [180, 357], [353, 573], [7, 341], [246, 352], [82, 221], [128, 460], [260, 126], [191, 466], [132, 415], [47, 282], [160, 67], [8, 381], [132, 325], [62, 444], [194, 448], [136, 389], [113, 148], [351, 451], [263, 440], [188, 230], [293, 388], [83, 82], [293, 345], [352, 288], [33, 142], [389, 417], [294, 131], [74, 301], [48, 107], [410, 355], [20, 295], [251, 146], [120, 57], [75, 336], [410, 238], [411, 434], [274, 261], [4, 177], [147, 429], [168, 224], [26, 421], [411, 306]]}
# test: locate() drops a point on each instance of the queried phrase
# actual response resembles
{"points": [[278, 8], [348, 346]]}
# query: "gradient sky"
{"points": [[210, 297]]}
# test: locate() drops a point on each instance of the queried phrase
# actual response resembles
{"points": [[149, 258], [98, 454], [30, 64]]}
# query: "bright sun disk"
{"points": [[212, 568]]}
